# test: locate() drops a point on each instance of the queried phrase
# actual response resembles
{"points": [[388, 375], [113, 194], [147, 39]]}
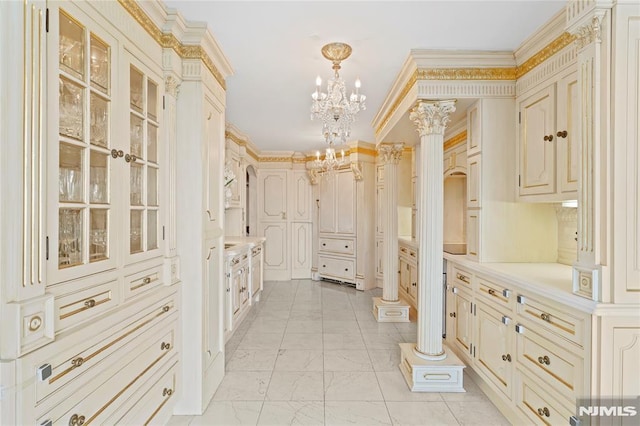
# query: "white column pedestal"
{"points": [[390, 311], [423, 375]]}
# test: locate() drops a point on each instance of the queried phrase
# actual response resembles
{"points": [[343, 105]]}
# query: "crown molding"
{"points": [[455, 140]]}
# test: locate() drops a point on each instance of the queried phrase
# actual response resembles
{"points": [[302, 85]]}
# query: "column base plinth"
{"points": [[390, 312], [431, 376]]}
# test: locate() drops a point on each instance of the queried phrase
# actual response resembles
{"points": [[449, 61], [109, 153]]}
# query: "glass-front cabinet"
{"points": [[105, 156]]}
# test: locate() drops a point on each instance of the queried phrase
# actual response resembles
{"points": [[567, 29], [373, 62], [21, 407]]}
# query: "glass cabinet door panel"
{"points": [[98, 178], [99, 64], [70, 173], [152, 143], [71, 46], [98, 235], [136, 184], [70, 241], [152, 100], [136, 90], [152, 186], [136, 135], [152, 229], [99, 128], [71, 109], [135, 239]]}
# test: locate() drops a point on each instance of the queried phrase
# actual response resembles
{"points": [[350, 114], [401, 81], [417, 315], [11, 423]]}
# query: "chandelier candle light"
{"points": [[334, 108], [330, 162]]}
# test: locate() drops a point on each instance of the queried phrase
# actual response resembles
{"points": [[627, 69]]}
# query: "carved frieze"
{"points": [[589, 33]]}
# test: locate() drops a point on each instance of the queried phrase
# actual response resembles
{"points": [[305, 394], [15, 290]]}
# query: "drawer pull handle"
{"points": [[147, 280], [544, 412], [76, 420], [167, 392], [90, 303], [77, 362], [544, 360], [165, 308], [492, 292], [462, 278], [164, 346], [506, 357], [563, 134], [452, 314], [545, 317]]}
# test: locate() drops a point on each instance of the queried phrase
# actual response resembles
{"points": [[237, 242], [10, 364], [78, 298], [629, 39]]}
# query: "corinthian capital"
{"points": [[390, 152], [431, 117], [591, 32], [171, 86]]}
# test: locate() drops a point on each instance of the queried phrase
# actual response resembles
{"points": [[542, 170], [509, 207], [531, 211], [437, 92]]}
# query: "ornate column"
{"points": [[591, 29], [390, 308], [432, 369]]}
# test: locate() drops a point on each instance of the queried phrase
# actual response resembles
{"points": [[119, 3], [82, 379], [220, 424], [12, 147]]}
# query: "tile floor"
{"points": [[311, 353]]}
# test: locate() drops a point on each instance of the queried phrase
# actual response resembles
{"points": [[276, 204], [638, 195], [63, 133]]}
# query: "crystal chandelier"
{"points": [[330, 163], [334, 108]]}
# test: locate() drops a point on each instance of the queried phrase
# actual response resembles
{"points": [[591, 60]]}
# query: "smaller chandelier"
{"points": [[333, 107], [330, 163]]}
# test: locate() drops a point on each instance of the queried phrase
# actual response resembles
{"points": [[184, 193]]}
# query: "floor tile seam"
{"points": [[451, 411]]}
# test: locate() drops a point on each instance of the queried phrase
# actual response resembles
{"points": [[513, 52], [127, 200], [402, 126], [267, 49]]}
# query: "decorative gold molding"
{"points": [[169, 41], [235, 138], [275, 159], [253, 154], [545, 53], [499, 74], [455, 140]]}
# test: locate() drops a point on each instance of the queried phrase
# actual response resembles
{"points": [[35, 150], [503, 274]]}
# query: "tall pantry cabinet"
{"points": [[90, 286]]}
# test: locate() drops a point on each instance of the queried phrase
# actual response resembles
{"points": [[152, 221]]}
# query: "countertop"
{"points": [[551, 280], [241, 244]]}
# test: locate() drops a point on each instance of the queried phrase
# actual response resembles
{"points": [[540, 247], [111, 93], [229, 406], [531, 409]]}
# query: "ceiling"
{"points": [[274, 49]]}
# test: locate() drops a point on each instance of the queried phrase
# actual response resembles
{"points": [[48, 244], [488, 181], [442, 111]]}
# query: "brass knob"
{"points": [[165, 308], [492, 291], [562, 134], [545, 317], [452, 314], [90, 303], [506, 357], [77, 362], [544, 412], [130, 158], [167, 392], [147, 280], [346, 246], [117, 153], [76, 420], [544, 360], [164, 346], [346, 269], [548, 138]]}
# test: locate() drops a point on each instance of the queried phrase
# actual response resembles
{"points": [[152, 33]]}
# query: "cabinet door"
{"points": [[301, 248], [235, 165], [463, 321], [256, 274], [567, 135], [473, 234], [494, 353], [474, 166], [474, 129], [212, 344], [272, 195], [236, 290], [275, 246], [413, 282], [142, 155], [405, 276], [327, 205], [538, 143], [84, 180], [345, 203], [301, 196], [244, 290]]}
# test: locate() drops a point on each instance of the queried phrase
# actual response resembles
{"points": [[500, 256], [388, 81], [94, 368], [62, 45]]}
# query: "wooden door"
{"points": [[327, 205], [272, 193]]}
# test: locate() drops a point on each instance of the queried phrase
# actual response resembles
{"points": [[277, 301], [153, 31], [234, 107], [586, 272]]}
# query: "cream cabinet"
{"points": [[548, 157], [495, 346], [408, 279]]}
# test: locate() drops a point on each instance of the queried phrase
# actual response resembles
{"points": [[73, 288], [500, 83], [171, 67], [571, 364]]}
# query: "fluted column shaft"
{"points": [[390, 155], [431, 119]]}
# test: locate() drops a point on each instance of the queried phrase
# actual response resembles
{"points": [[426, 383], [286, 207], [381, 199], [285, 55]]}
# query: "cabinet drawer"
{"points": [[558, 367], [142, 281], [75, 364], [494, 292], [562, 323], [113, 385], [256, 251], [151, 405], [542, 407], [461, 277], [337, 268], [76, 307], [335, 245]]}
